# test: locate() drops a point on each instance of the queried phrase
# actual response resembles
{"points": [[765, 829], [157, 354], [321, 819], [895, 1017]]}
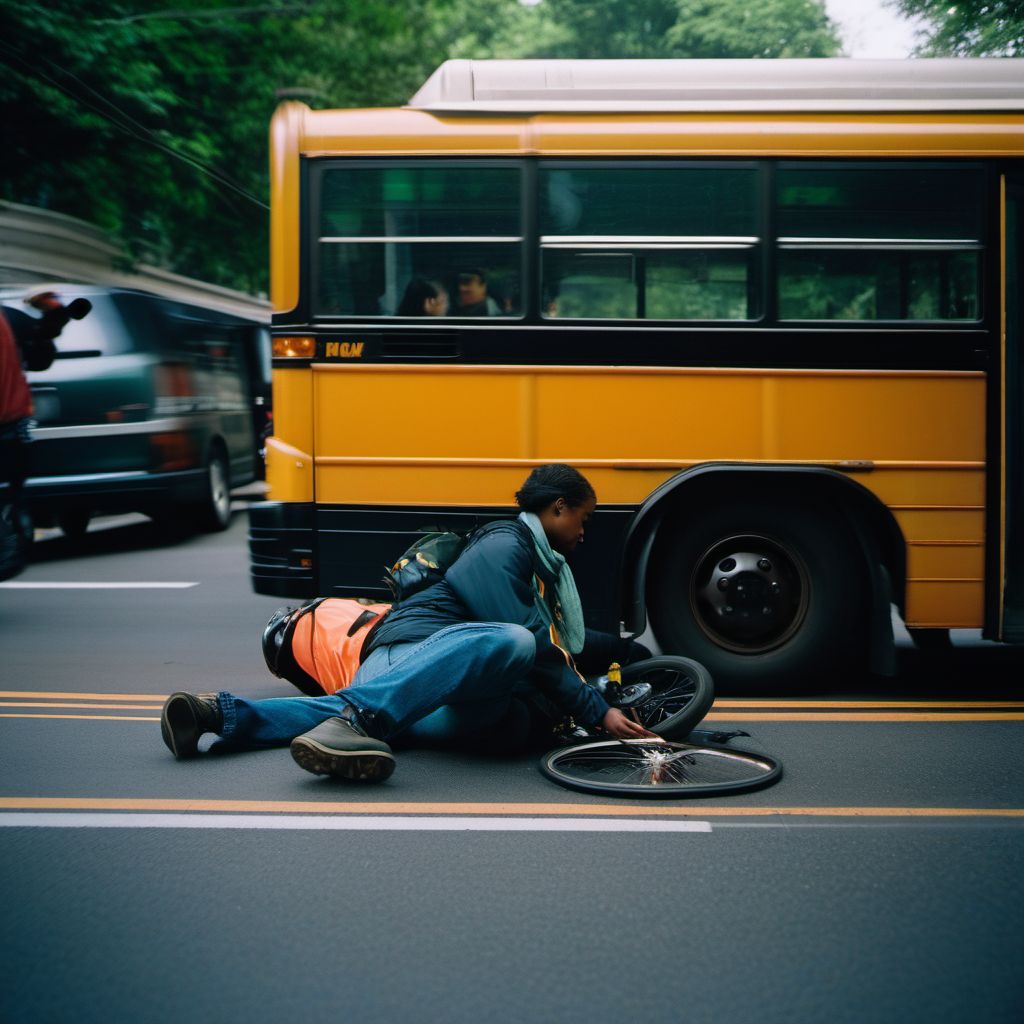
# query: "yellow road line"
{"points": [[71, 704], [726, 703], [65, 695], [109, 718], [720, 704], [805, 707], [722, 716], [16, 803]]}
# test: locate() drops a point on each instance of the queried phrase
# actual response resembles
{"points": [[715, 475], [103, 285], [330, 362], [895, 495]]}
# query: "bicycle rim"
{"points": [[658, 769], [682, 694]]}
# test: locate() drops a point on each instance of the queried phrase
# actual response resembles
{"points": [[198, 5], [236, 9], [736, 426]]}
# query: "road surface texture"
{"points": [[879, 880]]}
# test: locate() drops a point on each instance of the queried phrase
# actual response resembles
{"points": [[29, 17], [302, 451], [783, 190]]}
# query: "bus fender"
{"points": [[871, 523]]}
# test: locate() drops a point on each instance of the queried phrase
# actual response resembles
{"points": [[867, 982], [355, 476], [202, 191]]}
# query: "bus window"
{"points": [[878, 285], [649, 241], [598, 285], [654, 285], [870, 243], [382, 227]]}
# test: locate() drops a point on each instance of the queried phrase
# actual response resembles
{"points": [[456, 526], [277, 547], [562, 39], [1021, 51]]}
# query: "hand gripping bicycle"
{"points": [[668, 695]]}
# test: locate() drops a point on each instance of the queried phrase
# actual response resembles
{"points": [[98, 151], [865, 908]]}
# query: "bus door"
{"points": [[1011, 611]]}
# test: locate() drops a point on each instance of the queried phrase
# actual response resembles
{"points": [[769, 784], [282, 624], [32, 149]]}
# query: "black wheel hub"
{"points": [[631, 695], [749, 593]]}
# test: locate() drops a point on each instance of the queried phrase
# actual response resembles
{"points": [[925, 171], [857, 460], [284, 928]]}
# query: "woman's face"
{"points": [[436, 306], [563, 524]]}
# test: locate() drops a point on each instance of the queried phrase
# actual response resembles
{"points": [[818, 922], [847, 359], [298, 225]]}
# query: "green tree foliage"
{"points": [[151, 121], [968, 28], [688, 28], [140, 122]]}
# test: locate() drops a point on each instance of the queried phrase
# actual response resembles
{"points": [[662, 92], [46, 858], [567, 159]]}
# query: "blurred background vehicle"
{"points": [[151, 405]]}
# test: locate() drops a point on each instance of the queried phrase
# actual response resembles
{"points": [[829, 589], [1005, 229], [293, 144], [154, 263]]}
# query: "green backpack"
{"points": [[424, 563]]}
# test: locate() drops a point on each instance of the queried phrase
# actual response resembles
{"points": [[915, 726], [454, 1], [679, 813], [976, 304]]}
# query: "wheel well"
{"points": [[863, 514]]}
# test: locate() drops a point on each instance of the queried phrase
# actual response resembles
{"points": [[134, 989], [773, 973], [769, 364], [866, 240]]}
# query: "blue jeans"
{"points": [[458, 683]]}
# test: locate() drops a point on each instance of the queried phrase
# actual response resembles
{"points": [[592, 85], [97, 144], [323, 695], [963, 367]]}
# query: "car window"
{"points": [[100, 333]]}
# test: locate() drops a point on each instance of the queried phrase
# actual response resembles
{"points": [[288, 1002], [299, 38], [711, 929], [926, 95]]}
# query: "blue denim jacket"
{"points": [[492, 581]]}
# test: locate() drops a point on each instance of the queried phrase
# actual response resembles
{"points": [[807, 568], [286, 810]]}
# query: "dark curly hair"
{"points": [[551, 482]]}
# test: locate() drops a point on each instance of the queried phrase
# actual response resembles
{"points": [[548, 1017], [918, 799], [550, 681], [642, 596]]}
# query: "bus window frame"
{"points": [[756, 285], [311, 245], [780, 243], [765, 270]]}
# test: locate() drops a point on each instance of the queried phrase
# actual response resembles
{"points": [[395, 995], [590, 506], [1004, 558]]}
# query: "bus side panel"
{"points": [[914, 438], [290, 450], [285, 131]]}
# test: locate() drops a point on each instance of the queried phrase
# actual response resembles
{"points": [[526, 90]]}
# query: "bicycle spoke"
{"points": [[625, 765], [667, 701]]}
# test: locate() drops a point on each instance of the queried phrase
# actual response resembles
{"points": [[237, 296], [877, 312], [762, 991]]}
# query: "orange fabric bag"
{"points": [[319, 646]]}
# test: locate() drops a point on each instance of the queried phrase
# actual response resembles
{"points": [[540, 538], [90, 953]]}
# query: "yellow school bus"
{"points": [[769, 308]]}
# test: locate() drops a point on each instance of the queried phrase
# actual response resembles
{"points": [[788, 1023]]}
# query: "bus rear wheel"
{"points": [[763, 594]]}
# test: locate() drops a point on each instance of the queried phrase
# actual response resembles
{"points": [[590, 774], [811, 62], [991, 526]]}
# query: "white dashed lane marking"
{"points": [[59, 585]]}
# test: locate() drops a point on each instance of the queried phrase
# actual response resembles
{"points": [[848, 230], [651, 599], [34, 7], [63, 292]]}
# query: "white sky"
{"points": [[868, 28]]}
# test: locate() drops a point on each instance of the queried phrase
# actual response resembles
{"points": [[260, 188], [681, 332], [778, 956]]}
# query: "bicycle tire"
{"points": [[682, 694], [633, 768]]}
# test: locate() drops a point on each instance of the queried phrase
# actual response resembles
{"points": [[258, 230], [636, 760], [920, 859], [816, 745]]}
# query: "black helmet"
{"points": [[273, 637], [277, 647]]}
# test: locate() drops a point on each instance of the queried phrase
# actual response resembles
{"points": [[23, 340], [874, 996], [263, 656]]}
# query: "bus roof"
{"points": [[812, 85]]}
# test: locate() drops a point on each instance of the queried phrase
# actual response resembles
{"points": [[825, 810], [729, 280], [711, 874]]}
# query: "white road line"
{"points": [[878, 823], [96, 586], [365, 823]]}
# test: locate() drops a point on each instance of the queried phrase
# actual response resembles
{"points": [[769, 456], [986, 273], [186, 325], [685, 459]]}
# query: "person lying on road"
{"points": [[463, 660]]}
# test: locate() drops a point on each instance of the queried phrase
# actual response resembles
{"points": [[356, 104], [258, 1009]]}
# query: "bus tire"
{"points": [[212, 513], [762, 594]]}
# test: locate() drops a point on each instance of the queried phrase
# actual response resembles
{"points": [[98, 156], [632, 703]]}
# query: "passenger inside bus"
{"points": [[423, 297], [473, 299]]}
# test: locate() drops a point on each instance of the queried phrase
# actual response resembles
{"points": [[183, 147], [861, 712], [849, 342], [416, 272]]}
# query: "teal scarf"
{"points": [[566, 614]]}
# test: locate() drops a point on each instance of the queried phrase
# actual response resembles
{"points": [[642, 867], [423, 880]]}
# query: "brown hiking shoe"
{"points": [[340, 748], [186, 717]]}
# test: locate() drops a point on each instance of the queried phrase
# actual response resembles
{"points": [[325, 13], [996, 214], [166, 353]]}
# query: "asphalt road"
{"points": [[879, 880]]}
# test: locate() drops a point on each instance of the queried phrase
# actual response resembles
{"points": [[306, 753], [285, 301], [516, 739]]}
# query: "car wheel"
{"points": [[213, 512]]}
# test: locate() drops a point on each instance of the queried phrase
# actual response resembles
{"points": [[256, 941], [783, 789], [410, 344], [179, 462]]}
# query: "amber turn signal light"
{"points": [[291, 347]]}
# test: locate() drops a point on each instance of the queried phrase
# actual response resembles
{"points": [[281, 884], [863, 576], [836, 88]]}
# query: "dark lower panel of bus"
{"points": [[827, 346], [305, 550]]}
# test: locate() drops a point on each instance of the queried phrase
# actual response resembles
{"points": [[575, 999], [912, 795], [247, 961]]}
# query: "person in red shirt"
{"points": [[28, 344], [15, 397], [15, 410]]}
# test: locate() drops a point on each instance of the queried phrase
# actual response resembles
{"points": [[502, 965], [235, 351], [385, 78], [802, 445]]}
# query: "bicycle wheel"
{"points": [[681, 692], [658, 768]]}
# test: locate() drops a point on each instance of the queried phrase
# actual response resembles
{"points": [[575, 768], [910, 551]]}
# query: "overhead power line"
{"points": [[124, 122]]}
